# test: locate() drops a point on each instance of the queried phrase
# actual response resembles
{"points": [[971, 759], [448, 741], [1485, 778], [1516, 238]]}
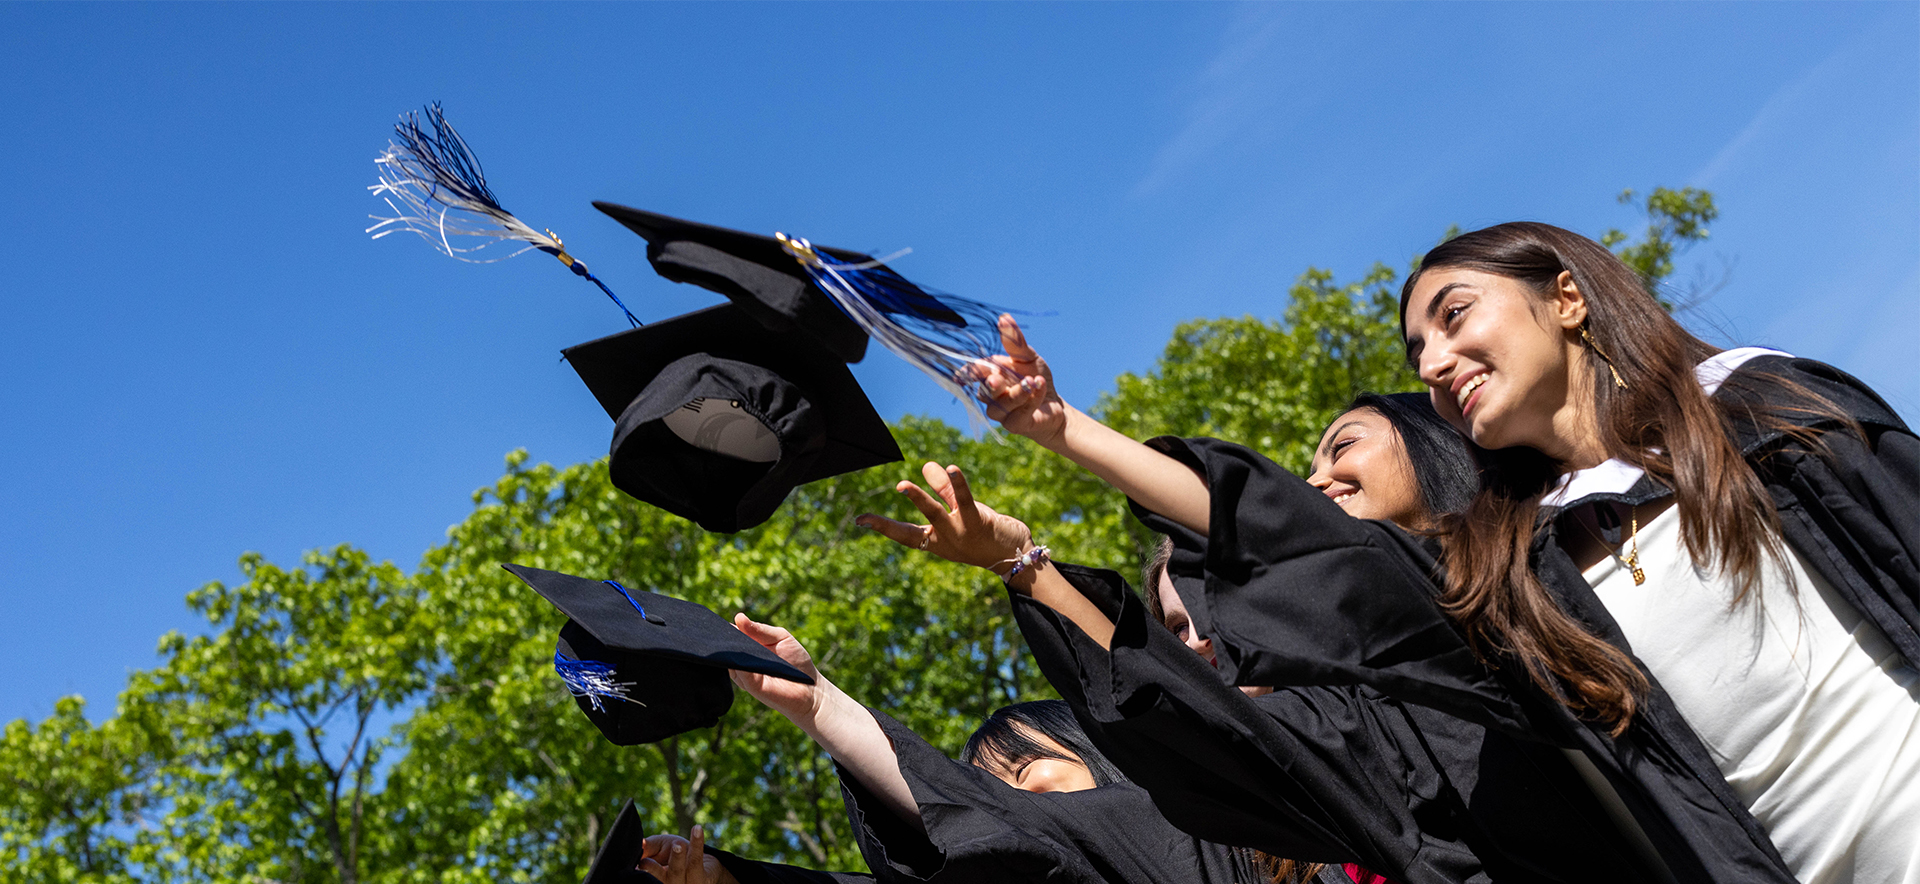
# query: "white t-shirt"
{"points": [[1810, 713]]}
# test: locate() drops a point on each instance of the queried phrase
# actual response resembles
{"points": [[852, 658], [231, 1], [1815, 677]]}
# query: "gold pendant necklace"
{"points": [[1630, 561]]}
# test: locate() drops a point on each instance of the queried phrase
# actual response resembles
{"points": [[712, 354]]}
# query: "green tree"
{"points": [[1676, 221], [75, 796], [1272, 385], [272, 719]]}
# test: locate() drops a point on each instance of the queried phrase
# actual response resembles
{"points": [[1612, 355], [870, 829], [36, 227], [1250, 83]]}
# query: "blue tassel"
{"points": [[630, 601], [940, 334], [443, 193], [591, 679]]}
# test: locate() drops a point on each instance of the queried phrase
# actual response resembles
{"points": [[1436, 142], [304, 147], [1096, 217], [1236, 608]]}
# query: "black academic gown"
{"points": [[748, 871], [1322, 773], [1298, 594], [979, 829]]}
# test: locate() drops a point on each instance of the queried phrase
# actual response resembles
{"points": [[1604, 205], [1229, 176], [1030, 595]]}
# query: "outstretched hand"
{"points": [[1020, 389], [959, 528], [789, 698], [671, 859]]}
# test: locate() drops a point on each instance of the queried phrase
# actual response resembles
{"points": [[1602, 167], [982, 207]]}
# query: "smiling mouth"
{"points": [[1467, 389], [1343, 498]]}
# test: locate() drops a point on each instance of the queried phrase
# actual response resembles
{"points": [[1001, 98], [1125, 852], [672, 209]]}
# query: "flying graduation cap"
{"points": [[718, 417], [644, 666], [836, 296]]}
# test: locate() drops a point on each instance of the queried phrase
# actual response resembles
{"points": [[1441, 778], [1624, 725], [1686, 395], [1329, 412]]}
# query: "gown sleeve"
{"points": [[979, 829], [1853, 504], [1313, 774], [1301, 594], [748, 871]]}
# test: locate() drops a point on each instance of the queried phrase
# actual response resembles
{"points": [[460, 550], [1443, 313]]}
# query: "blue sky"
{"points": [[206, 355]]}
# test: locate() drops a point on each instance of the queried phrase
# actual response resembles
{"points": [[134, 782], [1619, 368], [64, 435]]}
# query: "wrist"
{"points": [[1062, 439], [1018, 573]]}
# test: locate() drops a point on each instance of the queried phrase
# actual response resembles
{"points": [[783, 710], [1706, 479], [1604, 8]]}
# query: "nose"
{"points": [[1320, 479], [1436, 365], [1199, 645]]}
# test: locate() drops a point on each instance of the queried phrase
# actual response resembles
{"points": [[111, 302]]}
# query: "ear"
{"points": [[1569, 304]]}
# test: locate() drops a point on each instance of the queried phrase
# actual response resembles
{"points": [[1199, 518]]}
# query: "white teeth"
{"points": [[1467, 390], [1344, 497]]}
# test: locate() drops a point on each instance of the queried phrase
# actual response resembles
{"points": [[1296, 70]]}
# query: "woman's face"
{"points": [[1362, 464], [1180, 623], [1502, 363], [1042, 774]]}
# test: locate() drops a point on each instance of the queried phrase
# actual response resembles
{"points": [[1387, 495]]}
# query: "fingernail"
{"points": [[679, 849]]}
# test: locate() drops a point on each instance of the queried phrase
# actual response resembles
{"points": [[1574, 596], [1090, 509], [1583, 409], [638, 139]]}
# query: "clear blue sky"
{"points": [[205, 355]]}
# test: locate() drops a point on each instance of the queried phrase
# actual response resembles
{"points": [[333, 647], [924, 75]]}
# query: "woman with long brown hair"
{"points": [[1694, 568]]}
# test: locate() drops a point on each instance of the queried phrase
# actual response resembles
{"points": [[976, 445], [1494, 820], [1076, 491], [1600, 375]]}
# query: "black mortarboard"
{"points": [[657, 665], [620, 851], [757, 273], [717, 417], [751, 270]]}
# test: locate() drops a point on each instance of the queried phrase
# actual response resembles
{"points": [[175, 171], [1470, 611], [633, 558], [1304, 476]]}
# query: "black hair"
{"points": [[1444, 462], [1006, 740]]}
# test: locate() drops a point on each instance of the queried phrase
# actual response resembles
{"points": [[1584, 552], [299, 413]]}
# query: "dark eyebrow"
{"points": [[1433, 306], [1328, 447]]}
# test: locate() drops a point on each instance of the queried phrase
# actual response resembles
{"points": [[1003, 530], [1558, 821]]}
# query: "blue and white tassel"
{"points": [[437, 191], [591, 679], [942, 335]]}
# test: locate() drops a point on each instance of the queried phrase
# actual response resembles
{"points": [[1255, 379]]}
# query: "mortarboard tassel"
{"points": [[438, 180], [591, 679], [941, 335]]}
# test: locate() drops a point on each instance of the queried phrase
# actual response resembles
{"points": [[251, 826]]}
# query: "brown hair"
{"points": [[1662, 421]]}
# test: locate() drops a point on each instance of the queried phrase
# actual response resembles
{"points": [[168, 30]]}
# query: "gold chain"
{"points": [[1631, 561]]}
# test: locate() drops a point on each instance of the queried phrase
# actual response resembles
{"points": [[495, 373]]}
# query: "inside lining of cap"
{"points": [[724, 428]]}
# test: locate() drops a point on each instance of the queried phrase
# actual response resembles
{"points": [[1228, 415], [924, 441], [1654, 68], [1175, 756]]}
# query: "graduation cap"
{"points": [[619, 855], [717, 417], [835, 296], [645, 666], [753, 271]]}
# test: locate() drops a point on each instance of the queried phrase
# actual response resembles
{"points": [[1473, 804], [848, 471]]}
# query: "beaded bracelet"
{"points": [[1036, 556]]}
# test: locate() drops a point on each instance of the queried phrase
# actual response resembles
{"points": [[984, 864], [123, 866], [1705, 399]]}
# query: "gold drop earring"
{"points": [[1585, 336]]}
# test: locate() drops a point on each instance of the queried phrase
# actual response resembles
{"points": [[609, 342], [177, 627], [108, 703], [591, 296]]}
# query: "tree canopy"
{"points": [[348, 721]]}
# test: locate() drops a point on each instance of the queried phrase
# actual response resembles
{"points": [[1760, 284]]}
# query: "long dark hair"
{"points": [[1661, 421], [1006, 740]]}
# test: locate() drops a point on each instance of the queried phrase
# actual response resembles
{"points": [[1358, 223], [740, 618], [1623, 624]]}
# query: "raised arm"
{"points": [[960, 529], [1026, 403], [843, 727]]}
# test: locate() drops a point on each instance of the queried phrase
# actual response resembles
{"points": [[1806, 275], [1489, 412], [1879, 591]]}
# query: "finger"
{"points": [[698, 846], [679, 864], [923, 502], [904, 533], [656, 845], [941, 485], [763, 633], [658, 871], [1014, 341], [962, 496]]}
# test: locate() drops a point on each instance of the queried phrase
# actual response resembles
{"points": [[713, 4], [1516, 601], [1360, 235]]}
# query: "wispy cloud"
{"points": [[1228, 95], [1789, 101]]}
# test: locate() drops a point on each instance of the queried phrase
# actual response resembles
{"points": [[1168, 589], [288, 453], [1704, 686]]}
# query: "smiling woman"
{"points": [[1764, 579]]}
